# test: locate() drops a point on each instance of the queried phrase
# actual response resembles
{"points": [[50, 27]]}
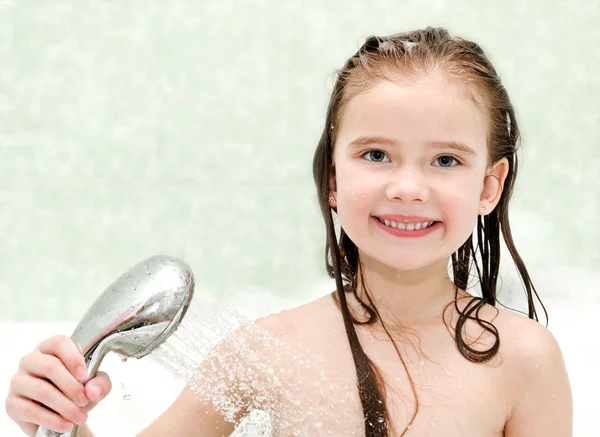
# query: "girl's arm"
{"points": [[224, 388], [187, 416], [543, 401]]}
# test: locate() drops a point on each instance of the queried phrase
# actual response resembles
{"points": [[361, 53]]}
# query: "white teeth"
{"points": [[406, 226]]}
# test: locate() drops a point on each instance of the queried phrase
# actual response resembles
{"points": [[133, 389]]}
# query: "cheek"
{"points": [[460, 203], [458, 197], [357, 184], [356, 196], [353, 203]]}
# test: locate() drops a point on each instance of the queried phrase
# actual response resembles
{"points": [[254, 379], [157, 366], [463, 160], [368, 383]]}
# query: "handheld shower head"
{"points": [[134, 315]]}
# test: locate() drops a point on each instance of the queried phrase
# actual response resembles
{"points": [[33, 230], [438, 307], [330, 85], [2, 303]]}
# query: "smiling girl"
{"points": [[414, 171]]}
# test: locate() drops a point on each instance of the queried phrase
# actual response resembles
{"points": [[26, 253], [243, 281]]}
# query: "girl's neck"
{"points": [[414, 299]]}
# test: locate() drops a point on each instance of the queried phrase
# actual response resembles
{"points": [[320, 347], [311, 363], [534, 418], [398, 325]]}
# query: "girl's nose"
{"points": [[407, 185]]}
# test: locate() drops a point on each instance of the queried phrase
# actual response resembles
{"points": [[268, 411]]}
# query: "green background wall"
{"points": [[134, 128]]}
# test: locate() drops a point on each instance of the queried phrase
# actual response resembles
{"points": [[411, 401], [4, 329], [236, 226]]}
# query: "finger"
{"points": [[98, 388], [29, 414], [50, 367], [66, 350], [42, 391], [28, 428]]}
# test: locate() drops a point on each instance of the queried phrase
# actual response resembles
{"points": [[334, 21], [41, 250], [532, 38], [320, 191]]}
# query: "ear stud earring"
{"points": [[331, 200], [483, 206]]}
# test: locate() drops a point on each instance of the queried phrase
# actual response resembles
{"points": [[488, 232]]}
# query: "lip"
{"points": [[406, 233], [405, 218]]}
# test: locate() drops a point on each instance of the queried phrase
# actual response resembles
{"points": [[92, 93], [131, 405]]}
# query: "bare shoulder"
{"points": [[248, 369], [313, 332], [544, 402], [537, 377], [526, 342], [317, 316]]}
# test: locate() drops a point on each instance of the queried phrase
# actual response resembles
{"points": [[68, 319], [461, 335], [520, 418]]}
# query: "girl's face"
{"points": [[410, 165]]}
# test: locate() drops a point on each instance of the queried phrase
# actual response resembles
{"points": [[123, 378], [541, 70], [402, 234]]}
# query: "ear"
{"points": [[493, 185], [332, 189]]}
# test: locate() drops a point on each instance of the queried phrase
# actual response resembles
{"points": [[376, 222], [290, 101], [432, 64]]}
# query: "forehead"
{"points": [[415, 112]]}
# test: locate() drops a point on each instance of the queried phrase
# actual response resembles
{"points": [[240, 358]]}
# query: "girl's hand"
{"points": [[47, 390]]}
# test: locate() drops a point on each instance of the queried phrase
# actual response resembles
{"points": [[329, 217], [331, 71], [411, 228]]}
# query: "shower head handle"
{"points": [[134, 315]]}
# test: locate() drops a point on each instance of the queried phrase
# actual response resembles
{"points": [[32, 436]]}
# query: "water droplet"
{"points": [[126, 397], [124, 359]]}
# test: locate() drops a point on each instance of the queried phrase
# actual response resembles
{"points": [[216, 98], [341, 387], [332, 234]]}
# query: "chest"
{"points": [[455, 397]]}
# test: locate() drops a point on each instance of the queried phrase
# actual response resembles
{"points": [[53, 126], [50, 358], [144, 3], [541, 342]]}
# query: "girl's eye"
{"points": [[375, 155], [446, 161]]}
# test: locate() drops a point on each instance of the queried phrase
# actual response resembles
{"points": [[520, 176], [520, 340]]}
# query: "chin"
{"points": [[406, 263]]}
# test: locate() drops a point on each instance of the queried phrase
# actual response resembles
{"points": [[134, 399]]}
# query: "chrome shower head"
{"points": [[134, 315]]}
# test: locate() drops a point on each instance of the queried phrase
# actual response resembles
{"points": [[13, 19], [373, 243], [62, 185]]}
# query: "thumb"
{"points": [[97, 389]]}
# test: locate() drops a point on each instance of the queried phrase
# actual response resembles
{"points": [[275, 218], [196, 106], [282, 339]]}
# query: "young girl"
{"points": [[418, 150]]}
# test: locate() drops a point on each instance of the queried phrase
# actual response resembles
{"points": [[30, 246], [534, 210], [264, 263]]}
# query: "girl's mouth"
{"points": [[407, 229]]}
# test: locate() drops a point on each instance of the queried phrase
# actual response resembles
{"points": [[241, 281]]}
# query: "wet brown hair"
{"points": [[423, 52]]}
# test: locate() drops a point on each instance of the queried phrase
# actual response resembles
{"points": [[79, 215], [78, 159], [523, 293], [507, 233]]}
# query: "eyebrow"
{"points": [[455, 145]]}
